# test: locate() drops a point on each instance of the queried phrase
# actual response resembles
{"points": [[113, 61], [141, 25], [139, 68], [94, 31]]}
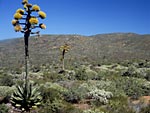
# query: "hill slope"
{"points": [[97, 48]]}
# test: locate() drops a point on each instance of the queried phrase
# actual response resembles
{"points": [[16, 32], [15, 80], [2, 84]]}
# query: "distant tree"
{"points": [[25, 22]]}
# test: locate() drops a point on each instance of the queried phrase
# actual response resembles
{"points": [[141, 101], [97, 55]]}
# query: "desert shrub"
{"points": [[143, 64], [50, 91], [17, 71], [3, 108], [119, 105], [72, 96], [106, 85], [6, 80], [35, 69], [145, 109], [6, 91], [106, 74], [85, 73], [47, 76], [133, 71], [80, 74], [100, 96], [147, 77], [56, 106], [71, 109], [91, 74], [53, 76], [77, 91], [69, 74], [103, 84], [133, 87], [109, 86], [55, 86], [84, 88]]}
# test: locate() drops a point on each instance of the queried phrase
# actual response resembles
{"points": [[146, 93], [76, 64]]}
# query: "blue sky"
{"points": [[84, 17]]}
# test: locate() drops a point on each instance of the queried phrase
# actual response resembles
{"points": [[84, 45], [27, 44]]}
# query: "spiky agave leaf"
{"points": [[26, 98]]}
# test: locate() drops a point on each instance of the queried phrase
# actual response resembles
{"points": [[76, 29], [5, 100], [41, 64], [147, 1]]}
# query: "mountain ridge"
{"points": [[111, 47]]}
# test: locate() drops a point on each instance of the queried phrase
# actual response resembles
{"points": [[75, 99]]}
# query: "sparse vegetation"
{"points": [[101, 74], [105, 88]]}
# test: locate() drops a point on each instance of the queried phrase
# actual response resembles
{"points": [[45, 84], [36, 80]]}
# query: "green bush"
{"points": [[6, 91], [80, 74], [147, 77], [3, 108], [49, 94], [100, 96], [133, 87], [56, 106], [6, 80], [52, 76], [145, 109], [133, 71], [71, 109], [50, 91], [72, 96], [119, 105]]}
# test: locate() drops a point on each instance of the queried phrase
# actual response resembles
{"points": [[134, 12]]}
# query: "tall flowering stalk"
{"points": [[25, 21], [64, 49]]}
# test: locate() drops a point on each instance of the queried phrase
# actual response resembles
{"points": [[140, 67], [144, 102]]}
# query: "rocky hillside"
{"points": [[94, 49]]}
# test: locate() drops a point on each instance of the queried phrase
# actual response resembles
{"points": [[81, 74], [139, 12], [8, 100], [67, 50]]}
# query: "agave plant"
{"points": [[64, 49], [26, 97], [26, 21]]}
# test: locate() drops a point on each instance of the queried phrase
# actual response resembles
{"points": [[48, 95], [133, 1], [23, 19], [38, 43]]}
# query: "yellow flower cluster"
{"points": [[42, 14], [24, 1], [33, 20], [14, 22], [18, 28], [29, 5], [17, 16], [42, 26], [26, 4], [65, 47], [21, 11], [35, 8]]}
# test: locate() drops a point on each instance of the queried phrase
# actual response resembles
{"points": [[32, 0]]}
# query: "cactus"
{"points": [[26, 98]]}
